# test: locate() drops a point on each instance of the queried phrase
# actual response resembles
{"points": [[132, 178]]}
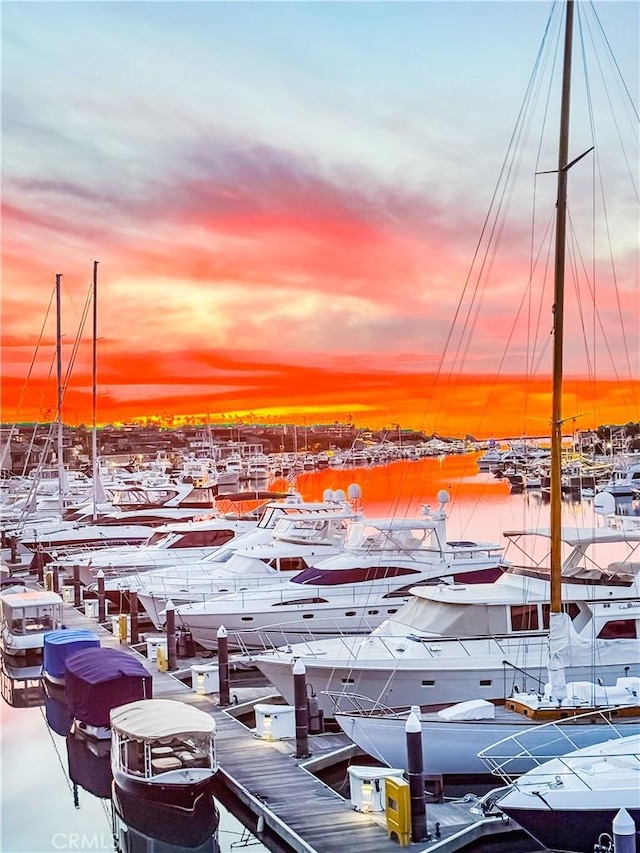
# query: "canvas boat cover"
{"points": [[58, 645], [156, 719], [100, 679]]}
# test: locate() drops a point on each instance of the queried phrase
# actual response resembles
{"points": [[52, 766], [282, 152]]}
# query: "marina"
{"points": [[262, 780], [311, 637], [278, 789]]}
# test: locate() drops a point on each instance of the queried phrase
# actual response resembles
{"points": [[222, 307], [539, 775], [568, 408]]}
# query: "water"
{"points": [[39, 811]]}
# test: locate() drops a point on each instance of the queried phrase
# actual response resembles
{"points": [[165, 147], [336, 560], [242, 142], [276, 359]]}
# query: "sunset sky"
{"points": [[286, 201]]}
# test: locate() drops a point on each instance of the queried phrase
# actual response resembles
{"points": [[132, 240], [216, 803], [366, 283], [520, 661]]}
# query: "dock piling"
{"points": [[133, 610], [415, 773], [77, 590], [102, 612], [172, 652], [223, 666], [302, 712]]}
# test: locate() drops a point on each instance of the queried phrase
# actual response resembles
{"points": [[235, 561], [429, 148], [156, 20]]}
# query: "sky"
{"points": [[291, 207]]}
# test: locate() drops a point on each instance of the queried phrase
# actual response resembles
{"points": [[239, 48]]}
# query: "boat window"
{"points": [[524, 617], [619, 629], [571, 608], [315, 600], [361, 574], [203, 539], [428, 683], [17, 626], [291, 564]]}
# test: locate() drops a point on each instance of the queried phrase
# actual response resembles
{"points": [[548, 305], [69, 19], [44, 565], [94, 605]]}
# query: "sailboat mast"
{"points": [[558, 311], [95, 470], [59, 452]]}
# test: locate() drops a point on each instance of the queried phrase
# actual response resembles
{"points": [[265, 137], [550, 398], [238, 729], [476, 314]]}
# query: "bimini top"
{"points": [[30, 598], [155, 719], [60, 644]]}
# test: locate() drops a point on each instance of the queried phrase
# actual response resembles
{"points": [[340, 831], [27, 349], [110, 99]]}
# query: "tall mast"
{"points": [[95, 468], [558, 311], [59, 383]]}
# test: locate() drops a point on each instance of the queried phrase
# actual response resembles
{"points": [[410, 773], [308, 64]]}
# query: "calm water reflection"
{"points": [[57, 787]]}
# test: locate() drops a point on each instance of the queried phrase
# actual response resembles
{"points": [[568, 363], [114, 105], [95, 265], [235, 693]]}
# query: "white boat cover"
{"points": [[474, 709], [155, 719]]}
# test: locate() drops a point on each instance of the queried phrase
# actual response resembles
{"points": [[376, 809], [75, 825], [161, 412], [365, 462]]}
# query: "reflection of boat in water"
{"points": [[56, 708], [143, 826], [21, 682], [89, 765]]}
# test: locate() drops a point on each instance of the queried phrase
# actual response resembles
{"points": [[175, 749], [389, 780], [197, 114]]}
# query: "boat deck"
{"points": [[281, 792]]}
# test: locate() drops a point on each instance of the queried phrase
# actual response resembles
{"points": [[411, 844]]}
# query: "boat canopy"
{"points": [[60, 644], [98, 680], [158, 719]]}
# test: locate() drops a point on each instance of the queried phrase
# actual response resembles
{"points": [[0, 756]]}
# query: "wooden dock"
{"points": [[280, 791]]}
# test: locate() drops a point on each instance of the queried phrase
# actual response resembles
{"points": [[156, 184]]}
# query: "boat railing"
{"points": [[537, 745], [355, 703]]}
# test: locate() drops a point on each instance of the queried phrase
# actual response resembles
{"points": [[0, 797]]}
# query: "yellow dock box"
{"points": [[162, 661], [398, 810]]}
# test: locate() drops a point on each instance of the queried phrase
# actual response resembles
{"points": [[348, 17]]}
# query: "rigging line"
{"points": [[599, 183], [31, 366], [479, 243], [614, 61]]}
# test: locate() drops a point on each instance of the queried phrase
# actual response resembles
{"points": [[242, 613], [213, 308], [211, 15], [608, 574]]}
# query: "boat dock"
{"points": [[281, 797]]}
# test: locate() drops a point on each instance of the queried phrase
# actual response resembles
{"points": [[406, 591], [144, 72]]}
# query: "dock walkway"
{"points": [[298, 807]]}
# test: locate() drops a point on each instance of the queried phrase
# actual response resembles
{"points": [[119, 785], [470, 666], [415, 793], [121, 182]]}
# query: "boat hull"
{"points": [[568, 830]]}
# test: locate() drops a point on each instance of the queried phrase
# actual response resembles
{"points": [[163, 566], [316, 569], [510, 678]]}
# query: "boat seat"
{"points": [[161, 751], [162, 765]]}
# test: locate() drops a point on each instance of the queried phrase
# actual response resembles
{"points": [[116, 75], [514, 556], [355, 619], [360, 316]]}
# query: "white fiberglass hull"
{"points": [[451, 747], [399, 672]]}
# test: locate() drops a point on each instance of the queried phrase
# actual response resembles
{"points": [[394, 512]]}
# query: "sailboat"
{"points": [[456, 734], [408, 666]]}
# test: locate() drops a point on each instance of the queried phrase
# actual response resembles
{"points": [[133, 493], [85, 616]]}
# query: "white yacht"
{"points": [[351, 592], [182, 576], [567, 802], [453, 642], [298, 541], [169, 544]]}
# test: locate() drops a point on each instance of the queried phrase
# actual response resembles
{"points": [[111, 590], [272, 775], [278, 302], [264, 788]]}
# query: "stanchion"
{"points": [[172, 657], [223, 666], [77, 589], [102, 611], [133, 609], [624, 833], [302, 712], [415, 773]]}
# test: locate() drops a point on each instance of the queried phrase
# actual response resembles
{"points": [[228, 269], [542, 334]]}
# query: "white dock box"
{"points": [[91, 608], [205, 678], [275, 722], [152, 646], [367, 786]]}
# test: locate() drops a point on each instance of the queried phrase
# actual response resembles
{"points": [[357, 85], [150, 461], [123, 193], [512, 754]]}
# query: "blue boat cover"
{"points": [[98, 680], [58, 645]]}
